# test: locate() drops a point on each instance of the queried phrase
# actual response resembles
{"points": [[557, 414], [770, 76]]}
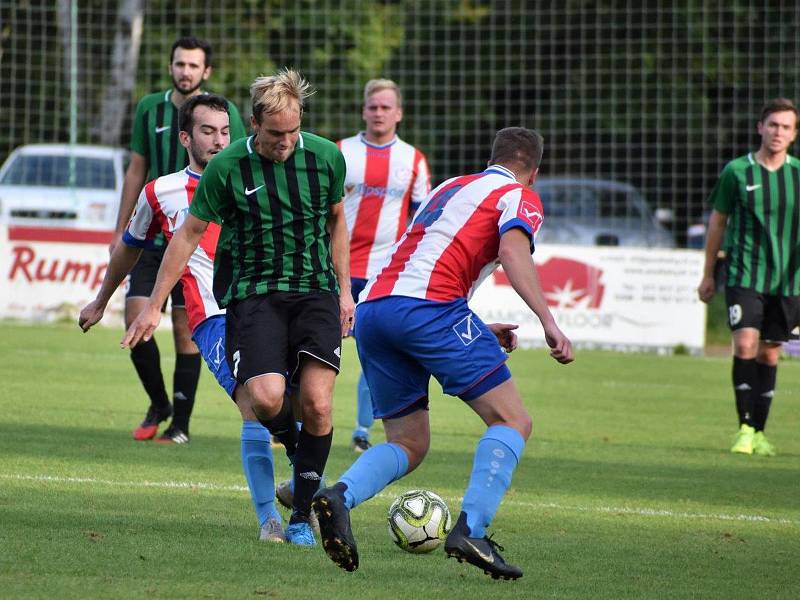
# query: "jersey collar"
{"points": [[192, 174], [501, 170], [363, 136]]}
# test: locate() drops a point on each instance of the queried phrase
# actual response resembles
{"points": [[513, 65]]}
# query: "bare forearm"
{"points": [[122, 261], [340, 253], [524, 279], [177, 255], [717, 224]]}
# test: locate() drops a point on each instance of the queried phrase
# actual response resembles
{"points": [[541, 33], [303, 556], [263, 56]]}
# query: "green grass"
{"points": [[626, 489]]}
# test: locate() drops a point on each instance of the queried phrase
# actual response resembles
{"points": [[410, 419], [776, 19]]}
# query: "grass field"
{"points": [[626, 489]]}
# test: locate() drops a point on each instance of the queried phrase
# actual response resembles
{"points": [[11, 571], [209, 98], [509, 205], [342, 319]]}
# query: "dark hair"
{"points": [[779, 105], [186, 112], [192, 43], [517, 147]]}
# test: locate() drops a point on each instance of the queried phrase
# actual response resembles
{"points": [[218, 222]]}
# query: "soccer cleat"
{"points": [[361, 444], [172, 435], [284, 492], [300, 534], [761, 445], [149, 427], [334, 525], [272, 531], [743, 443], [480, 552]]}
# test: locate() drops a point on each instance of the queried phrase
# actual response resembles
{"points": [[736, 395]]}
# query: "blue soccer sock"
{"points": [[364, 417], [258, 469], [496, 457], [374, 470]]}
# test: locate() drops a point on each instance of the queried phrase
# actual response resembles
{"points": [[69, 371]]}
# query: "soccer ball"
{"points": [[418, 521]]}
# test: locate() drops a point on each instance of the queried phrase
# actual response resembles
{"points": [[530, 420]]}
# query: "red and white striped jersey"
{"points": [[163, 206], [382, 182], [452, 244]]}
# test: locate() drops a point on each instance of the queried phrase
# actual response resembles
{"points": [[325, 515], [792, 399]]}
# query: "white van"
{"points": [[59, 185]]}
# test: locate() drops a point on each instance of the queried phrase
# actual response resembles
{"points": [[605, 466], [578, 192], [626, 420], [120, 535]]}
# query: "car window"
{"points": [[586, 202], [54, 171]]}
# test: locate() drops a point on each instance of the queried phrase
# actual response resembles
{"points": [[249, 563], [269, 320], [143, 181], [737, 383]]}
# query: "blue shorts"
{"points": [[210, 339], [403, 341]]}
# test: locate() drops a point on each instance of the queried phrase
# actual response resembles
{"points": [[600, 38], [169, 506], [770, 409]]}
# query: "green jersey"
{"points": [[155, 134], [762, 242], [274, 217]]}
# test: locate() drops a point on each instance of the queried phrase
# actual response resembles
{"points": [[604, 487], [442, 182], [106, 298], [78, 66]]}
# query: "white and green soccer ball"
{"points": [[419, 521]]}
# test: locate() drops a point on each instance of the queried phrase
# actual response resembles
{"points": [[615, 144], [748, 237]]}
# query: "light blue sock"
{"points": [[364, 418], [374, 470], [258, 469], [496, 457]]}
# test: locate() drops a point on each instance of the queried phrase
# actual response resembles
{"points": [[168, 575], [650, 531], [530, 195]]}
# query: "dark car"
{"points": [[597, 212]]}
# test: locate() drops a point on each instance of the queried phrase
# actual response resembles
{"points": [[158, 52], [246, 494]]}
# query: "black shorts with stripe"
{"points": [[774, 316], [142, 279], [276, 332]]}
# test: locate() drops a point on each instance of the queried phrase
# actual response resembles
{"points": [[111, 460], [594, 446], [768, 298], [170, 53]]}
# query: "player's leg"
{"points": [[400, 395], [187, 372], [257, 461], [145, 356], [315, 345], [364, 416], [781, 315], [256, 347], [745, 317], [496, 457]]}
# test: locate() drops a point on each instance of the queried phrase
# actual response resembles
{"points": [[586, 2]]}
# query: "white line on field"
{"points": [[215, 487]]}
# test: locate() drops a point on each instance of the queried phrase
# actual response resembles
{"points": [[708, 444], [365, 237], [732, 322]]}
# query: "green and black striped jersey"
{"points": [[274, 217], [762, 240], [155, 134]]}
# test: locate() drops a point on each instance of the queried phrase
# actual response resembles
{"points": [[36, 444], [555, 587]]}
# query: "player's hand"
{"points": [[560, 346], [142, 329], [115, 240], [504, 332], [347, 311], [707, 289], [90, 315]]}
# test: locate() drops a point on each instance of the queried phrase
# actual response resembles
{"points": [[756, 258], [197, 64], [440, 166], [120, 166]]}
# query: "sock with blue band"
{"points": [[496, 457], [374, 470], [258, 469]]}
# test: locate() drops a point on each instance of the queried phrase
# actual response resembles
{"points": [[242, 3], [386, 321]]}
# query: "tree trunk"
{"points": [[124, 60]]}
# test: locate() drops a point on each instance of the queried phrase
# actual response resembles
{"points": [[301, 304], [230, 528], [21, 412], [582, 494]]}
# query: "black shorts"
{"points": [[271, 333], [773, 316], [143, 278]]}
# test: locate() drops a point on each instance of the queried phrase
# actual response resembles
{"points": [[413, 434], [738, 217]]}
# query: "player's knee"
{"points": [[266, 398]]}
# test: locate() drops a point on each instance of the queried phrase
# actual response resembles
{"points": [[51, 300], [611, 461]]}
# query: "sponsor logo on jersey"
{"points": [[162, 129], [531, 214], [375, 190]]}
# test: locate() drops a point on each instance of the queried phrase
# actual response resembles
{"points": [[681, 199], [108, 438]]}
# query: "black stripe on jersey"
{"points": [[223, 262], [331, 278], [781, 209], [157, 139], [312, 175], [767, 238], [276, 214], [174, 142], [756, 232], [296, 202], [257, 232], [792, 280]]}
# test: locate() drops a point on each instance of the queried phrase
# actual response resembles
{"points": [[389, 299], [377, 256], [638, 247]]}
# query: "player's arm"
{"points": [[131, 187], [123, 259], [179, 250], [515, 257], [717, 224], [340, 253]]}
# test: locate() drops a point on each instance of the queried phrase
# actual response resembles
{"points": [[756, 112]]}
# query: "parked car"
{"points": [[36, 186], [597, 212]]}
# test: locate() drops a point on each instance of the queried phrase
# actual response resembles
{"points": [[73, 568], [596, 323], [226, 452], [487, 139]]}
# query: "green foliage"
{"points": [[626, 489]]}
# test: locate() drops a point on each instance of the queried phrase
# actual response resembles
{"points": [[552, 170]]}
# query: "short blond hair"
{"points": [[378, 85], [274, 93]]}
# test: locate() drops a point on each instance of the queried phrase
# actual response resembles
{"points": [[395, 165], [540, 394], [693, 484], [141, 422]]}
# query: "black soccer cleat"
{"points": [[334, 526], [480, 552]]}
